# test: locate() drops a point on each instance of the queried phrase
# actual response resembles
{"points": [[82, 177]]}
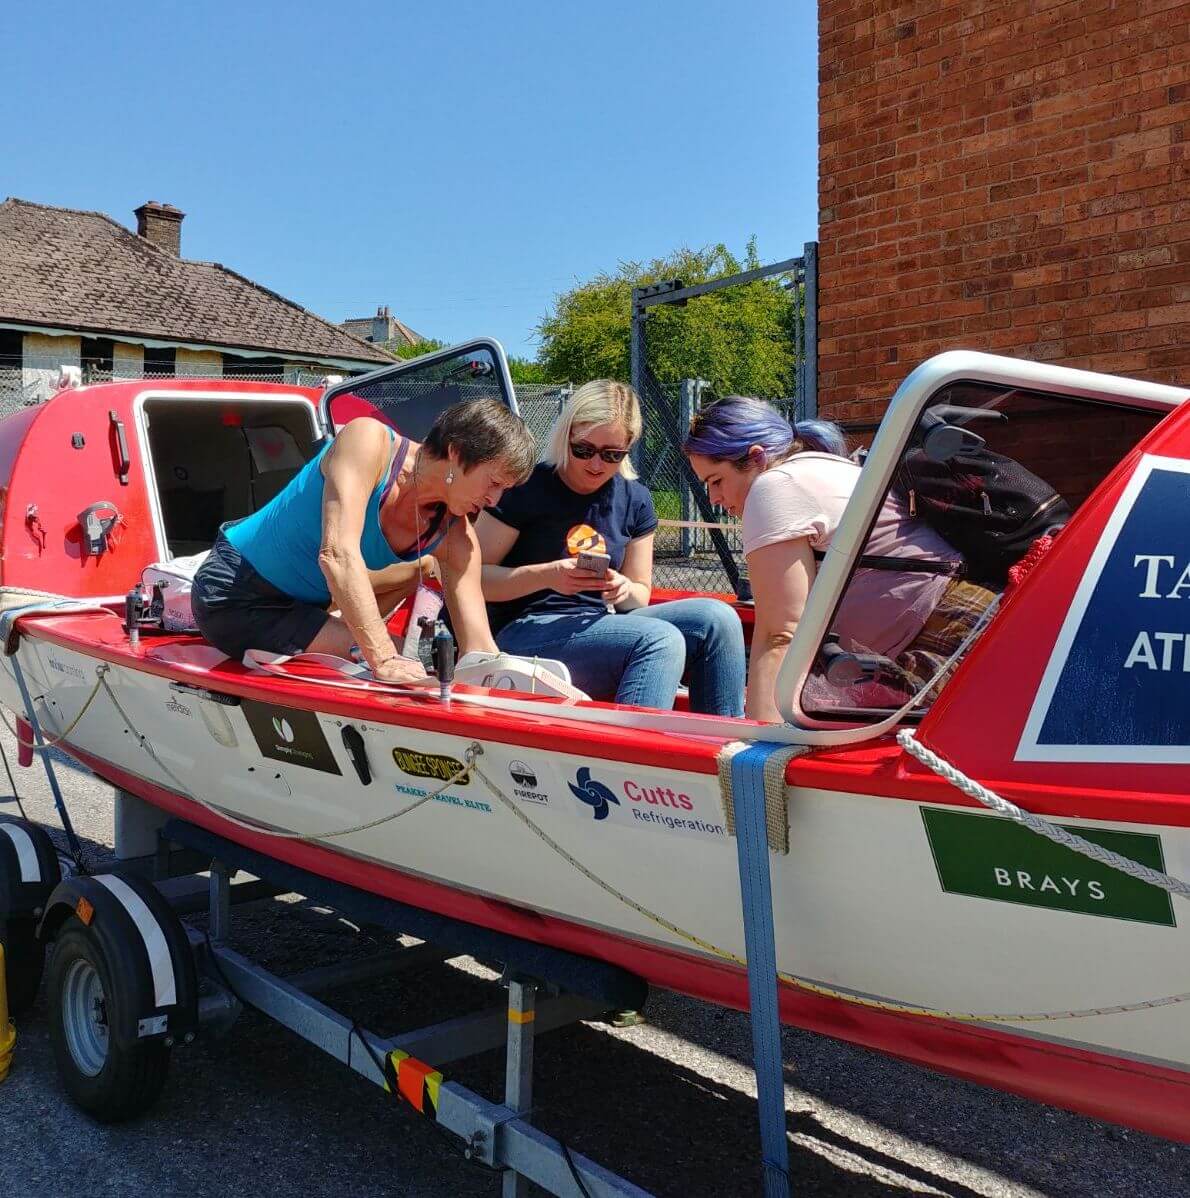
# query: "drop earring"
{"points": [[450, 477]]}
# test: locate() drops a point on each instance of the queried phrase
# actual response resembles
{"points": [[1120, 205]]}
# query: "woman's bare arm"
{"points": [[632, 585], [352, 467], [781, 576], [461, 565]]}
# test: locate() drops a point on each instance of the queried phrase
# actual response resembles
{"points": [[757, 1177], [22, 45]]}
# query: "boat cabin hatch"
{"points": [[1070, 429], [213, 459]]}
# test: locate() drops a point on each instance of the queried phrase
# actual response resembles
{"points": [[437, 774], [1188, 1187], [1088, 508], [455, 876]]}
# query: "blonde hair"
{"points": [[601, 401]]}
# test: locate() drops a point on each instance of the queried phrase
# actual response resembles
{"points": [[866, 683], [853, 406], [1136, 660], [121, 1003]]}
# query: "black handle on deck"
{"points": [[123, 461]]}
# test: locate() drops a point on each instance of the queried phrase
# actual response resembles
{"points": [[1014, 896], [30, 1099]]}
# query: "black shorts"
{"points": [[237, 609]]}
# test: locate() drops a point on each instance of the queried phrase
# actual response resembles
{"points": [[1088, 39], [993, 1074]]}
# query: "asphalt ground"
{"points": [[669, 1104]]}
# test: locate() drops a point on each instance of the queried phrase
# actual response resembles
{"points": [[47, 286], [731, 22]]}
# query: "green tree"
{"points": [[525, 370], [403, 351], [738, 339]]}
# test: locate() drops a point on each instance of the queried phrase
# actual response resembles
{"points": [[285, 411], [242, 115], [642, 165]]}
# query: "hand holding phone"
{"points": [[573, 575], [597, 563]]}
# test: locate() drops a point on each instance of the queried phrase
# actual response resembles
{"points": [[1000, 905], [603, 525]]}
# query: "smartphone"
{"points": [[597, 563]]}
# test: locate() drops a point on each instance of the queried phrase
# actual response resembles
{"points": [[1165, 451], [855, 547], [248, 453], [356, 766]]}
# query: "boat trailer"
{"points": [[129, 980]]}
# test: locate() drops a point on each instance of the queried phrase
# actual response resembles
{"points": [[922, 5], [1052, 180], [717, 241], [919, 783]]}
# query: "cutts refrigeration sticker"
{"points": [[294, 737], [1118, 681], [604, 793]]}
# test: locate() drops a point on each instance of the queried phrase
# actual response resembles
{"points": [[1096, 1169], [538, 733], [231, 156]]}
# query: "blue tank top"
{"points": [[282, 539]]}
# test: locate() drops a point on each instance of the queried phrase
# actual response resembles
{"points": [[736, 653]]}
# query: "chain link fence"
{"points": [[686, 558], [25, 382], [693, 537], [698, 546], [540, 404]]}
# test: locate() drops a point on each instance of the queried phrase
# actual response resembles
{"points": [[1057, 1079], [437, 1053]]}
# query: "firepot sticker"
{"points": [[295, 737], [1126, 637]]}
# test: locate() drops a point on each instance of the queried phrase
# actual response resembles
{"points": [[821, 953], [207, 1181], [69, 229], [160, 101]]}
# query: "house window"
{"points": [[266, 369], [96, 359], [160, 362], [12, 349]]}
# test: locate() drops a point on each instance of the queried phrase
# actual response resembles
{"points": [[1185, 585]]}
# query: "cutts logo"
{"points": [[582, 538], [594, 794], [627, 801]]}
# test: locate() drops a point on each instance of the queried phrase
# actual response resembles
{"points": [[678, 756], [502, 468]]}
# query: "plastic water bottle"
{"points": [[427, 603]]}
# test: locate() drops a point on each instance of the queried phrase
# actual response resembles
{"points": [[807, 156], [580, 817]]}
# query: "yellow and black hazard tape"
{"points": [[413, 1081]]}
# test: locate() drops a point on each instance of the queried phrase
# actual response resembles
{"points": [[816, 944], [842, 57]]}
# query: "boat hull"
{"points": [[860, 898]]}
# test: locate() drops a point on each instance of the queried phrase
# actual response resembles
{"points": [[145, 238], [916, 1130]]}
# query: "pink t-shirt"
{"points": [[882, 610]]}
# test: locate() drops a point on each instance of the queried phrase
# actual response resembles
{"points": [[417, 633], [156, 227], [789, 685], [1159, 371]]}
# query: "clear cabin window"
{"points": [[410, 397], [1070, 444]]}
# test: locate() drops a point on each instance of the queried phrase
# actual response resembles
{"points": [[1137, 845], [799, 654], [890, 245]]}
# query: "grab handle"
{"points": [[123, 461]]}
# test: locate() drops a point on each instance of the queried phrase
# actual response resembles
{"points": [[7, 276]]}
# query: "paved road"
{"points": [[669, 1104]]}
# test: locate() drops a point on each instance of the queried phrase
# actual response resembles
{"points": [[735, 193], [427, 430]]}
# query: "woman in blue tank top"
{"points": [[349, 533]]}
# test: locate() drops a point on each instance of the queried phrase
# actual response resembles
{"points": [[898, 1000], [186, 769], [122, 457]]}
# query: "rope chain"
{"points": [[470, 765], [46, 745], [802, 983], [1035, 823]]}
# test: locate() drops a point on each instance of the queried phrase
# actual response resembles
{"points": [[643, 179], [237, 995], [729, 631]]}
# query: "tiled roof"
{"points": [[398, 330], [68, 269]]}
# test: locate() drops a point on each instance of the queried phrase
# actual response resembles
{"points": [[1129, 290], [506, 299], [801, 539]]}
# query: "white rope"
{"points": [[260, 829], [47, 745], [1035, 823], [860, 1000]]}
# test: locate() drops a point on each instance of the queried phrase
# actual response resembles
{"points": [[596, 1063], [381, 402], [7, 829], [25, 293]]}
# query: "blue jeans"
{"points": [[639, 657]]}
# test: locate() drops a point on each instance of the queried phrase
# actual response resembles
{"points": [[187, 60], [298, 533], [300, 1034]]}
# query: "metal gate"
{"points": [[696, 547]]}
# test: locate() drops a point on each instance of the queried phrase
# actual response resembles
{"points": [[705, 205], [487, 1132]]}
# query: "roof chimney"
{"points": [[162, 225]]}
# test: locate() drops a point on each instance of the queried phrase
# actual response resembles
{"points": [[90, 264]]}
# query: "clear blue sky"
{"points": [[461, 162]]}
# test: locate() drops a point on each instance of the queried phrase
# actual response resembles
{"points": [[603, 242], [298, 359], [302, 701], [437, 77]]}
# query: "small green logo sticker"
{"points": [[984, 856]]}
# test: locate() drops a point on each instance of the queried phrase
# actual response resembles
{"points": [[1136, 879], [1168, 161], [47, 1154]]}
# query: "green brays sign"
{"points": [[985, 856]]}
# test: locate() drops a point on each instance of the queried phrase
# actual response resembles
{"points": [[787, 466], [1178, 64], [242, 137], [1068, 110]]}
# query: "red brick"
{"points": [[1028, 193]]}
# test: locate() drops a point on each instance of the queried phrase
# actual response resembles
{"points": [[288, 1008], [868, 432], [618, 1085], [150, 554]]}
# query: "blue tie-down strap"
{"points": [[747, 777]]}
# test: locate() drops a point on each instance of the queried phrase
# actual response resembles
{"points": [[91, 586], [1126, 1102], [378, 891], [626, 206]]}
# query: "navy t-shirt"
{"points": [[556, 522]]}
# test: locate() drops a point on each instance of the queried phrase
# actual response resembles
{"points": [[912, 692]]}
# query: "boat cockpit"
{"points": [[217, 454]]}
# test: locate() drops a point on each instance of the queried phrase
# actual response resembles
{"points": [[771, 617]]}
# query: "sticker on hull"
{"points": [[602, 792], [1118, 680], [983, 856], [295, 737]]}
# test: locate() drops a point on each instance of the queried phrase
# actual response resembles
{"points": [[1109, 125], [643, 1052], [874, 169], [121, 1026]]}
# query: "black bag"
{"points": [[989, 507]]}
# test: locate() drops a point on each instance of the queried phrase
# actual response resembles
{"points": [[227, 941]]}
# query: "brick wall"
{"points": [[1006, 176]]}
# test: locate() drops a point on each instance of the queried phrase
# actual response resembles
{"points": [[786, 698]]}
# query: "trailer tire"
{"points": [[110, 1080], [24, 963]]}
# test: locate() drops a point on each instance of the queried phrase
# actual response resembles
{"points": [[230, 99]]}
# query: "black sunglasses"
{"points": [[584, 452]]}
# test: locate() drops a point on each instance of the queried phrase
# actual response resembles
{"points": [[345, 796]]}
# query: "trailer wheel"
{"points": [[110, 1081], [24, 963]]}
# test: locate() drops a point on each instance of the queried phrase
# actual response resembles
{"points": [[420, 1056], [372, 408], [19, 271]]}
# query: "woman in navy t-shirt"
{"points": [[585, 498]]}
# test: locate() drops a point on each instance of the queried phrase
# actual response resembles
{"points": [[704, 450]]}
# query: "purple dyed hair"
{"points": [[725, 431]]}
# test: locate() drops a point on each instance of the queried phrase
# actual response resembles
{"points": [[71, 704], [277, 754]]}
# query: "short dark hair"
{"points": [[481, 430]]}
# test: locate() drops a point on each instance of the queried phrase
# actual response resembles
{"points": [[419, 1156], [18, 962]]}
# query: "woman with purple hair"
{"points": [[789, 485]]}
